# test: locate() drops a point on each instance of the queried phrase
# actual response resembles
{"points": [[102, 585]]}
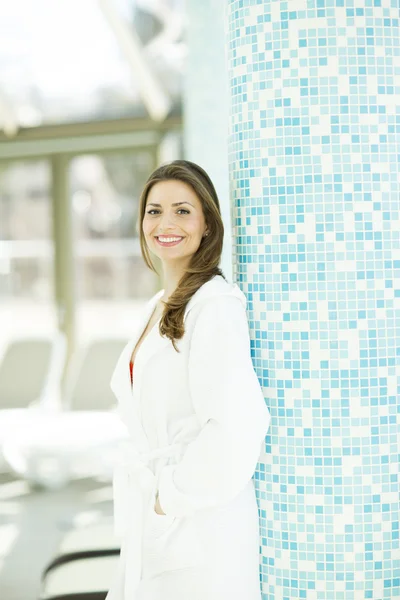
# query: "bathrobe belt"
{"points": [[134, 488]]}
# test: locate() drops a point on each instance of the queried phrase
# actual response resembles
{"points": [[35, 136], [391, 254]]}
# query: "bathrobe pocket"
{"points": [[171, 543], [157, 524]]}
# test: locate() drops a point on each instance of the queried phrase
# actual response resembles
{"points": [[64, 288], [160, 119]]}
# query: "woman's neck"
{"points": [[172, 274]]}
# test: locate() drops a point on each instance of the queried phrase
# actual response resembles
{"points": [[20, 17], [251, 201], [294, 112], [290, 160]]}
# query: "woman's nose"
{"points": [[167, 218]]}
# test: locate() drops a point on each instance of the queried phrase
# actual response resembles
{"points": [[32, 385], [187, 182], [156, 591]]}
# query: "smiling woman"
{"points": [[181, 224], [185, 502]]}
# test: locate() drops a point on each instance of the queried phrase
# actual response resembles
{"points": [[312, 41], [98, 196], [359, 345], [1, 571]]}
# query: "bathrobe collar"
{"points": [[128, 398]]}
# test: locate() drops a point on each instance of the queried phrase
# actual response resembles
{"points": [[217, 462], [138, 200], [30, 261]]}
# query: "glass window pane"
{"points": [[105, 193], [26, 231], [26, 250]]}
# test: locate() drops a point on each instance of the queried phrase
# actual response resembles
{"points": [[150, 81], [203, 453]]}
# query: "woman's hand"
{"points": [[157, 506]]}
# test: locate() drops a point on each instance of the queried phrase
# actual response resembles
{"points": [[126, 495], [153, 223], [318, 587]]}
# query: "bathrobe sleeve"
{"points": [[230, 406]]}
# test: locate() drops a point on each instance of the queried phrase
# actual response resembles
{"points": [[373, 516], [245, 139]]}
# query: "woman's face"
{"points": [[173, 210]]}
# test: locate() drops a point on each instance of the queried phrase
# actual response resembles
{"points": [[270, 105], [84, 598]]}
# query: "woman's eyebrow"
{"points": [[175, 204]]}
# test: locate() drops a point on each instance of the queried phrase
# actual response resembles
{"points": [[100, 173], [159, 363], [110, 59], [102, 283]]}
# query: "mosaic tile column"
{"points": [[314, 154]]}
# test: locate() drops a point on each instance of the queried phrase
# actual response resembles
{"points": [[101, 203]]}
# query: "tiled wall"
{"points": [[314, 167]]}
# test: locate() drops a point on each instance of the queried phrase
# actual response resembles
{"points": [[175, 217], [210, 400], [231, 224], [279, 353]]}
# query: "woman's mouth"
{"points": [[171, 240]]}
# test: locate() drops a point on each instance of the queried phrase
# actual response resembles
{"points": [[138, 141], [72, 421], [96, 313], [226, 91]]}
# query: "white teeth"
{"points": [[168, 239]]}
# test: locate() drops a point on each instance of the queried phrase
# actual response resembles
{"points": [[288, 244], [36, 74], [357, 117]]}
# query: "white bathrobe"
{"points": [[197, 420]]}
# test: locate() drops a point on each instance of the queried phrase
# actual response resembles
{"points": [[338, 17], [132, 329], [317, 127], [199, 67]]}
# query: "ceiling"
{"points": [[84, 60]]}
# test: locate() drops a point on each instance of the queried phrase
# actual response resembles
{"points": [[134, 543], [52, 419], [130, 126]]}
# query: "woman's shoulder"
{"points": [[218, 289], [215, 297]]}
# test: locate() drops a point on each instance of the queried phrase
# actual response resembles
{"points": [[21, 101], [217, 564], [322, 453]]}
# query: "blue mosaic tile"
{"points": [[314, 152]]}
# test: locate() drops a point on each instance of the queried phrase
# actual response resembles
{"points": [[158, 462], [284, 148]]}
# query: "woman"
{"points": [[184, 498]]}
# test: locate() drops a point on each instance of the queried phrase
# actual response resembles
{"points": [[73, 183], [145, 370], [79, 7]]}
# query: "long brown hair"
{"points": [[204, 263]]}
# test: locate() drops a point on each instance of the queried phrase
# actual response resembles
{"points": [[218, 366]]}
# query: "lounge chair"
{"points": [[88, 378], [80, 578], [30, 375], [82, 440]]}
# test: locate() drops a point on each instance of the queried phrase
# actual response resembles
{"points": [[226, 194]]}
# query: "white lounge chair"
{"points": [[83, 439], [90, 542], [31, 370], [93, 541], [30, 375], [99, 536], [82, 578], [88, 379]]}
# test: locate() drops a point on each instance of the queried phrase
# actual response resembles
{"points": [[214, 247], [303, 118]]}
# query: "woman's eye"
{"points": [[154, 210]]}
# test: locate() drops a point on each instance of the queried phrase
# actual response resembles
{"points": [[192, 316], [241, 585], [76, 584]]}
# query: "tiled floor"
{"points": [[32, 524]]}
